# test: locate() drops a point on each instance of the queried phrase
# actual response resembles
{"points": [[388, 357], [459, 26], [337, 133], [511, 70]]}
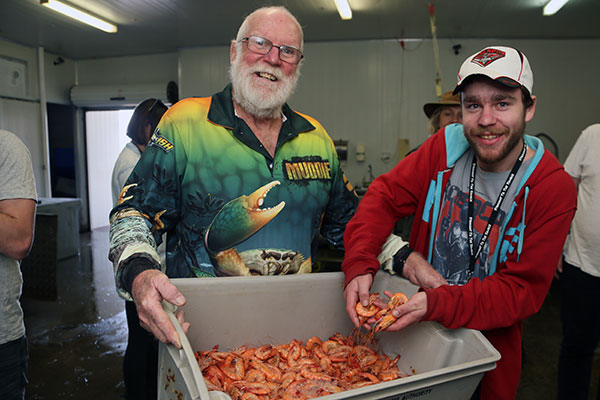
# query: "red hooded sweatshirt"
{"points": [[529, 245]]}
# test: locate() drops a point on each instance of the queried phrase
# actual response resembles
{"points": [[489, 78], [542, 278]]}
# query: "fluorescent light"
{"points": [[80, 15], [344, 9], [553, 6]]}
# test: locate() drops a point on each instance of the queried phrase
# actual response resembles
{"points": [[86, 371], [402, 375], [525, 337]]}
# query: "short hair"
{"points": [[243, 30], [149, 111]]}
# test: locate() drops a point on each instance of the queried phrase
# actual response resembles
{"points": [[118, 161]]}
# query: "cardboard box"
{"points": [[234, 311]]}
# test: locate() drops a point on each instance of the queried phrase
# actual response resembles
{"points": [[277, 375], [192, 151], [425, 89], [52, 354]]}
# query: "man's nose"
{"points": [[487, 116], [273, 56]]}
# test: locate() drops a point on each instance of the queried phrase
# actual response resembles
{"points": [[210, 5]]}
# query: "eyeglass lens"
{"points": [[262, 46]]}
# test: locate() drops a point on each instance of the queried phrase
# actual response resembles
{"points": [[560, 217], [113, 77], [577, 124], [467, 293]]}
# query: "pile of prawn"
{"points": [[296, 370]]}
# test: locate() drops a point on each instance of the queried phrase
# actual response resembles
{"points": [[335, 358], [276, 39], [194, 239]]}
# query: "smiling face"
{"points": [[262, 83], [494, 118]]}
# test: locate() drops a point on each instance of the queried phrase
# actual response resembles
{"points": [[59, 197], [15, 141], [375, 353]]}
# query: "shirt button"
{"points": [[271, 165]]}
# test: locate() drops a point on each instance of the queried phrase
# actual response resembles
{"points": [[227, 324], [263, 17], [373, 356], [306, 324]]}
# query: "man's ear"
{"points": [[530, 111], [232, 51]]}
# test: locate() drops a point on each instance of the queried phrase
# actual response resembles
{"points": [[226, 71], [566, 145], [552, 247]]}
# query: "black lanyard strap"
{"points": [[499, 200]]}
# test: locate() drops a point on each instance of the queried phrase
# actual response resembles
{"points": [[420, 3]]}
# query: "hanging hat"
{"points": [[447, 99]]}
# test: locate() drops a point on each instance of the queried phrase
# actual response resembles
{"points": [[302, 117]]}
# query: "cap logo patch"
{"points": [[488, 56]]}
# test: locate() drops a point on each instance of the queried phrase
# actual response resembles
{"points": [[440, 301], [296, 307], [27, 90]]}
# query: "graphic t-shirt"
{"points": [[227, 205], [451, 253]]}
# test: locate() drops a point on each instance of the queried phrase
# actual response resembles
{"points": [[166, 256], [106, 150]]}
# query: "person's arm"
{"points": [[519, 286], [17, 197], [559, 266], [17, 218], [391, 196], [149, 208]]}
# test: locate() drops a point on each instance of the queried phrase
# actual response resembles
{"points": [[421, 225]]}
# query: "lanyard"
{"points": [[492, 219]]}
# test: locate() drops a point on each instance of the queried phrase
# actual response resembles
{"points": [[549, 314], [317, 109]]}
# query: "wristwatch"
{"points": [[400, 258]]}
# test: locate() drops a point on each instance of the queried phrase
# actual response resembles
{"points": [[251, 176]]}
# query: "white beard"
{"points": [[260, 101]]}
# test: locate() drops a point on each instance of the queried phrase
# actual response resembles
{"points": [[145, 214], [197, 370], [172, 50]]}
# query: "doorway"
{"points": [[105, 138]]}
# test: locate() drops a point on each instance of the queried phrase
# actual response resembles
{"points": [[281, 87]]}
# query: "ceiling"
{"points": [[159, 26]]}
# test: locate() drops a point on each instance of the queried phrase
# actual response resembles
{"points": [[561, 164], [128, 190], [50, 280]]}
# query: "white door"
{"points": [[105, 138]]}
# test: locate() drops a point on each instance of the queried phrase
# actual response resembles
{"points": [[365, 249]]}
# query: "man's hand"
{"points": [[148, 290], [410, 312], [559, 268], [357, 290], [421, 273]]}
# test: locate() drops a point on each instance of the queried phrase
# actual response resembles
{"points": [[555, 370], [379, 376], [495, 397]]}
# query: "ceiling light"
{"points": [[553, 6], [344, 9], [79, 15]]}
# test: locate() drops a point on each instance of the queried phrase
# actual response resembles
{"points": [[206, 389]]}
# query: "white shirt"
{"points": [[583, 243], [127, 159]]}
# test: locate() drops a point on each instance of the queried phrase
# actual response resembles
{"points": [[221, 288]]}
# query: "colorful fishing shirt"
{"points": [[228, 207]]}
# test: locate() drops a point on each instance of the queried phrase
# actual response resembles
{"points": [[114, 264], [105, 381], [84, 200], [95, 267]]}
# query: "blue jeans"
{"points": [[580, 315], [13, 369]]}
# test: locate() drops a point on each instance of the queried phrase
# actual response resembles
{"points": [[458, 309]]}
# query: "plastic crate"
{"points": [[234, 311]]}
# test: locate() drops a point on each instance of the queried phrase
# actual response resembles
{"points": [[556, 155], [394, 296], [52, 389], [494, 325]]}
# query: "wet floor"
{"points": [[77, 341]]}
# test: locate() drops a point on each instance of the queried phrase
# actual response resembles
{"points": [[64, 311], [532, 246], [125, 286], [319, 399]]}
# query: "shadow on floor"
{"points": [[77, 342]]}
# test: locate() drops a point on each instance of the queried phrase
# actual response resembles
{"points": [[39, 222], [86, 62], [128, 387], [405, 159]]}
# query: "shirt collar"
{"points": [[222, 113]]}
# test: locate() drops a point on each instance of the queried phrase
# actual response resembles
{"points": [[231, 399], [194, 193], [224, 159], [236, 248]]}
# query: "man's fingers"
{"points": [[364, 285], [146, 323], [149, 289], [351, 300], [164, 325], [169, 292]]}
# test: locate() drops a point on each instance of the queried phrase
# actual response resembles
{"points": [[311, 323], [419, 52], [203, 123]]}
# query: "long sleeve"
{"points": [[150, 203], [519, 286], [398, 193]]}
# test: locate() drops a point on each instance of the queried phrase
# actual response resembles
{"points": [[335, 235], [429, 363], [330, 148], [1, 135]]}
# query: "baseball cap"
{"points": [[447, 99], [506, 65]]}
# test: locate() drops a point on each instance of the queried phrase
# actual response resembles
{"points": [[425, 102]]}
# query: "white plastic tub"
{"points": [[233, 311]]}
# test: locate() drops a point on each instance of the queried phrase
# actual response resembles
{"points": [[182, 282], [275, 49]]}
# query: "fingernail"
{"points": [[180, 300], [395, 313]]}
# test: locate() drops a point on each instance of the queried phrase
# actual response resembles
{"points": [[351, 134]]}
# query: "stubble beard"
{"points": [[260, 101], [488, 157]]}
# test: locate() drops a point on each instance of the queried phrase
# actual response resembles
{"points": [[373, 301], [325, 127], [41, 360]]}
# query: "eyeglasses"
{"points": [[263, 46]]}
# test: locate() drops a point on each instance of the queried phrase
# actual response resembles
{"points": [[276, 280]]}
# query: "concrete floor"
{"points": [[77, 342]]}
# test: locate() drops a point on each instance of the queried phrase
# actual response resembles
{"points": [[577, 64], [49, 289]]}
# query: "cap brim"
{"points": [[506, 81]]}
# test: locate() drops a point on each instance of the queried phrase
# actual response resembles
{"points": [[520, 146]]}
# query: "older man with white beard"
{"points": [[241, 184]]}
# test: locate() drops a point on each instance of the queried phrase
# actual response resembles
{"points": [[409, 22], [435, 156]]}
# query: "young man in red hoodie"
{"points": [[492, 209]]}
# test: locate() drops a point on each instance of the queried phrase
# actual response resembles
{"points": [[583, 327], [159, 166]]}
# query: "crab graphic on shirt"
{"points": [[239, 219]]}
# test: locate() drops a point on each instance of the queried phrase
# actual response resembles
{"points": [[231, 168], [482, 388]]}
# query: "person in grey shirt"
{"points": [[17, 221]]}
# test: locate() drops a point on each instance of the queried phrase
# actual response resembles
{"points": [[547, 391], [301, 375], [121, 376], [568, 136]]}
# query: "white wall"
{"points": [[369, 92], [22, 115], [372, 92], [23, 119], [157, 68]]}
